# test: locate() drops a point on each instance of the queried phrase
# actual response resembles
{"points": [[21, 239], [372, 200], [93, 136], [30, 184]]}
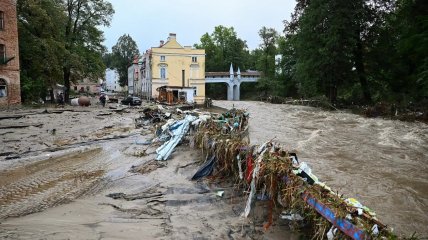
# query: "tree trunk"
{"points": [[359, 65], [67, 74]]}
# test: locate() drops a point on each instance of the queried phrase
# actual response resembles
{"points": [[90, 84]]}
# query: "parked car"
{"points": [[133, 101]]}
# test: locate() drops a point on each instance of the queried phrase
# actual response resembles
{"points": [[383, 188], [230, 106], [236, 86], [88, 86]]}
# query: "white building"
{"points": [[111, 83]]}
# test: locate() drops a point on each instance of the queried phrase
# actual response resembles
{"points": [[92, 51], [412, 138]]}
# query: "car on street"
{"points": [[133, 101]]}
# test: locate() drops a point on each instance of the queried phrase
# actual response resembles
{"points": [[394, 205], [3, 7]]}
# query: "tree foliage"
{"points": [[83, 39], [122, 55], [359, 51], [223, 47], [60, 42], [41, 46], [411, 58]]}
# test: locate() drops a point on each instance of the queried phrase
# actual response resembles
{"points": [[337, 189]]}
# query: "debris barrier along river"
{"points": [[272, 172]]}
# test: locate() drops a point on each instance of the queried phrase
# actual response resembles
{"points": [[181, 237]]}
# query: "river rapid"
{"points": [[382, 163]]}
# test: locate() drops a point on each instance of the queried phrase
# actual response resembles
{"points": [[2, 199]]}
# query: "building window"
{"points": [[163, 73], [162, 58], [3, 88], [1, 20], [2, 54], [194, 59]]}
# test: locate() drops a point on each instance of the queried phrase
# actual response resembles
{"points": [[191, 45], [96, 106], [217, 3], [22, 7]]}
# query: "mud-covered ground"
{"points": [[82, 173]]}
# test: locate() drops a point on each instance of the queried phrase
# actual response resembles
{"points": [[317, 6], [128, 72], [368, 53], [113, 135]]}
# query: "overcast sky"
{"points": [[148, 21]]}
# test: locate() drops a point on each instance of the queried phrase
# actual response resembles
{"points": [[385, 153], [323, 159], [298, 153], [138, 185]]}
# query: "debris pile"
{"points": [[151, 116], [267, 172], [272, 173]]}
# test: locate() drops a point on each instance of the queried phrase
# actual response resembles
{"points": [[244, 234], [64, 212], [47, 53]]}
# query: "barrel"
{"points": [[74, 102], [84, 101]]}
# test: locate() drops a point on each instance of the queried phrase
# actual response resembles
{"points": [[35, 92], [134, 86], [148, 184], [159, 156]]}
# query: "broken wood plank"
{"points": [[12, 116], [23, 125]]}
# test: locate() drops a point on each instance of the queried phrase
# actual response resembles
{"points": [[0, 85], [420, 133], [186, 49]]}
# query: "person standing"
{"points": [[103, 100], [61, 99]]}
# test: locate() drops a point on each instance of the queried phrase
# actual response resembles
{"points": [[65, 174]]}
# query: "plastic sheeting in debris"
{"points": [[177, 130], [206, 169]]}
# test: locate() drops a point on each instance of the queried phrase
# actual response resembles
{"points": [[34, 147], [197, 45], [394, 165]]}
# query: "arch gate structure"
{"points": [[233, 80]]}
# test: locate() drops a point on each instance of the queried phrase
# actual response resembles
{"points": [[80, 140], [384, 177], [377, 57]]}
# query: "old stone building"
{"points": [[10, 91]]}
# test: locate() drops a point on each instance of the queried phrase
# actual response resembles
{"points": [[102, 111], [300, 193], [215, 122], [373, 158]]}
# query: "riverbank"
{"points": [[410, 112]]}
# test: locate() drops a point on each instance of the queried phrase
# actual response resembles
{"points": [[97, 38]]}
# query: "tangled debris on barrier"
{"points": [[276, 174], [271, 173]]}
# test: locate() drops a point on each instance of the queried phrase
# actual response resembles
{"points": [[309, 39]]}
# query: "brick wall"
{"points": [[9, 37]]}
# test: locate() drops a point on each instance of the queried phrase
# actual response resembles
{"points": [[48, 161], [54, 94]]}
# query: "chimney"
{"points": [[161, 43], [172, 36]]}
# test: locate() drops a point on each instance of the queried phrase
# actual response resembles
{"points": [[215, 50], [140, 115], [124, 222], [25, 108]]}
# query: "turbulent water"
{"points": [[383, 163]]}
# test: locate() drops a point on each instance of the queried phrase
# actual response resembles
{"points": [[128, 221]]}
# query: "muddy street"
{"points": [[381, 162], [93, 179]]}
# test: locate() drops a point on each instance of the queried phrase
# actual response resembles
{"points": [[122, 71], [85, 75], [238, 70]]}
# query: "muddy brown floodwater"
{"points": [[383, 163], [81, 174]]}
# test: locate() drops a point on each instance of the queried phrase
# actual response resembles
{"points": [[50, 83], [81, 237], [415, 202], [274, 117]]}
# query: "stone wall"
{"points": [[9, 37]]}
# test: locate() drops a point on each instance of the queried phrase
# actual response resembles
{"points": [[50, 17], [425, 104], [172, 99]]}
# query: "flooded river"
{"points": [[382, 163]]}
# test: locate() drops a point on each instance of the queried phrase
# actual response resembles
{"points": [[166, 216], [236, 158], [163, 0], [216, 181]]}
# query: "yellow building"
{"points": [[181, 69]]}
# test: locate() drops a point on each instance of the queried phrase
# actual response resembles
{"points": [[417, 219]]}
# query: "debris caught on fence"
{"points": [[272, 171]]}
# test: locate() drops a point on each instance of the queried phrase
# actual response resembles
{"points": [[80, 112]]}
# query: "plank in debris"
{"points": [[14, 116], [344, 225], [21, 125]]}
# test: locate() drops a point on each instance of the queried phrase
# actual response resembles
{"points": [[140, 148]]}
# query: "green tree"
{"points": [[369, 22], [410, 82], [83, 39], [122, 55], [60, 42], [324, 46], [108, 60], [269, 38], [222, 48], [41, 45], [265, 63], [286, 68]]}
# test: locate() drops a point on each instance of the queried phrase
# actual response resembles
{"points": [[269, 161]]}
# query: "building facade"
{"points": [[10, 90], [111, 83], [134, 78], [86, 86], [173, 65]]}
